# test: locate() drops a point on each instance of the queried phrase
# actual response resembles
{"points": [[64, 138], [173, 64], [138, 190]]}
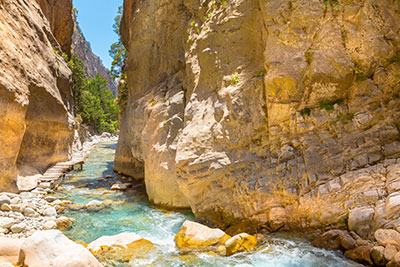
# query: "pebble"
{"points": [[49, 225], [50, 212], [30, 212], [4, 200], [6, 222], [50, 198], [119, 186], [18, 228], [5, 207]]}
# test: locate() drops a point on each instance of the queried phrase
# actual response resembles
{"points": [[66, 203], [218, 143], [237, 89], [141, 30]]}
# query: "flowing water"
{"points": [[132, 212]]}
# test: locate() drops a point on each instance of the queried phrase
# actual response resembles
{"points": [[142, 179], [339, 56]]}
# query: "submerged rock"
{"points": [[95, 205], [195, 236], [52, 248], [240, 243], [63, 222]]}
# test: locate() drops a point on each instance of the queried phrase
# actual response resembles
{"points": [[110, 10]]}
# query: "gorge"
{"points": [[257, 116]]}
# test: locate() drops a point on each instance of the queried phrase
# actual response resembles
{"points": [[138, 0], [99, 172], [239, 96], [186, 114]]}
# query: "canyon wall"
{"points": [[93, 64], [276, 114], [37, 128]]}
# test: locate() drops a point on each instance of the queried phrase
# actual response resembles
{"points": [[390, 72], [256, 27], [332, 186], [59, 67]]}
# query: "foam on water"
{"points": [[132, 212]]}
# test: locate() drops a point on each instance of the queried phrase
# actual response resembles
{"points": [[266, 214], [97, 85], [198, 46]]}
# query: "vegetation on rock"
{"points": [[94, 104]]}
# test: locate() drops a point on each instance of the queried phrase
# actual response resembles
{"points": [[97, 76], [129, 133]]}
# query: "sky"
{"points": [[95, 18]]}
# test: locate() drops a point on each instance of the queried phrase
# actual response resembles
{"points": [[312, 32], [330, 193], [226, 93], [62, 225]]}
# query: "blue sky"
{"points": [[96, 18]]}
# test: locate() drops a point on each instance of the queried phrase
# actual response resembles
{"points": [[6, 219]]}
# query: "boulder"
{"points": [[387, 236], [9, 249], [378, 256], [122, 247], [63, 222], [240, 243], [360, 254], [360, 220], [52, 248], [395, 262], [27, 183], [121, 240], [389, 252], [195, 236], [335, 240]]}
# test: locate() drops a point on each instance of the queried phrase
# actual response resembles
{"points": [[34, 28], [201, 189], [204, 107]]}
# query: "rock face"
{"points": [[59, 15], [93, 63], [35, 91], [282, 114]]}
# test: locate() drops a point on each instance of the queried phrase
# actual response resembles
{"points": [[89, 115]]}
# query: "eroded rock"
{"points": [[52, 248], [198, 237]]}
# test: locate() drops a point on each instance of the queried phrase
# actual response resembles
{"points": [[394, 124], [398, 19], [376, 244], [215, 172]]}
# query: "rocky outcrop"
{"points": [[93, 63], [276, 114], [36, 129], [59, 15]]}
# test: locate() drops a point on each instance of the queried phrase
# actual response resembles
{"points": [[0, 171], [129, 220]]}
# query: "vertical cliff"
{"points": [[93, 64], [284, 114], [36, 129]]}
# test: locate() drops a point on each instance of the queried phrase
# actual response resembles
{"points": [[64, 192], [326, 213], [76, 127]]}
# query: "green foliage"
{"points": [[308, 55], [394, 60], [234, 79], [344, 118], [305, 112], [356, 70], [193, 24], [94, 104], [259, 73], [328, 105], [331, 3], [117, 50]]}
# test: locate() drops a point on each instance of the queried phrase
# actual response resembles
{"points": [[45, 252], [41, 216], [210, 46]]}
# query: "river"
{"points": [[132, 212]]}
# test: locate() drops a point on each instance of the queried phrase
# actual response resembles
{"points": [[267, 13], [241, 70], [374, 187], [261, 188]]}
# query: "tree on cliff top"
{"points": [[118, 53], [117, 50]]}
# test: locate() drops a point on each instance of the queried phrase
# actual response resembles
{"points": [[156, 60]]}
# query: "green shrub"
{"points": [[235, 79], [305, 112], [259, 73], [328, 105]]}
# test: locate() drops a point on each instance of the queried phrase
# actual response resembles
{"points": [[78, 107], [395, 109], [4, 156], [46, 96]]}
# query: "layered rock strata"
{"points": [[36, 129], [280, 114]]}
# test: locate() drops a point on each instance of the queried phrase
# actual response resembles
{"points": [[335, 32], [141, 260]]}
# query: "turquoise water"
{"points": [[131, 212]]}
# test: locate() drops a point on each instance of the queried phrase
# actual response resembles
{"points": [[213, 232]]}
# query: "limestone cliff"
{"points": [[285, 114], [36, 126], [93, 63]]}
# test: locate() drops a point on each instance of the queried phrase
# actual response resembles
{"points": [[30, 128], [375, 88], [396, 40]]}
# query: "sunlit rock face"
{"points": [[290, 115], [36, 129]]}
